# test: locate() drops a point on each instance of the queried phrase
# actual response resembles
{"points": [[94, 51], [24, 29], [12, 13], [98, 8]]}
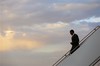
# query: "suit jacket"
{"points": [[75, 40]]}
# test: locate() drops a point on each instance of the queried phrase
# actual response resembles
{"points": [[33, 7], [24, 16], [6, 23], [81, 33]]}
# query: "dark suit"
{"points": [[74, 43]]}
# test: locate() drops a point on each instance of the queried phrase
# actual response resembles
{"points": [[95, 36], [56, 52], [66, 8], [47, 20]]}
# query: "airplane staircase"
{"points": [[67, 55]]}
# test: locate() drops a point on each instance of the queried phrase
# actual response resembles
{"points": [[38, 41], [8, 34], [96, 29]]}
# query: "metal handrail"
{"points": [[95, 61], [80, 43], [88, 35]]}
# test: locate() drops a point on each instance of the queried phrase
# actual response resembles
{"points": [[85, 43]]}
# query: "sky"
{"points": [[36, 32]]}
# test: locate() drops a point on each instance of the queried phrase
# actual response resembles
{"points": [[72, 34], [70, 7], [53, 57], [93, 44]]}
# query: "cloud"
{"points": [[44, 32], [92, 19], [74, 6], [52, 26], [9, 15], [86, 24], [44, 27], [27, 12], [9, 43], [88, 20]]}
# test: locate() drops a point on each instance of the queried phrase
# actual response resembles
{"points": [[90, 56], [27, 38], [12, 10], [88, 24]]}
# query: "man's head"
{"points": [[71, 32]]}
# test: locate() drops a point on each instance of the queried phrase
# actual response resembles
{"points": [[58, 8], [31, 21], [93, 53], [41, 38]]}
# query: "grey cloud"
{"points": [[91, 25], [44, 13], [27, 58], [38, 12]]}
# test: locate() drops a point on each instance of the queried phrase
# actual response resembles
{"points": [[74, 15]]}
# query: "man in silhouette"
{"points": [[75, 41]]}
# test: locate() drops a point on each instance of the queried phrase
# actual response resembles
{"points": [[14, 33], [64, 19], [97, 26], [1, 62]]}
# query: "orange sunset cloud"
{"points": [[8, 42]]}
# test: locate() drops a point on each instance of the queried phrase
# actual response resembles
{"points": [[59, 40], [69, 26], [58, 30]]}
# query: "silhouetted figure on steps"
{"points": [[75, 41]]}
